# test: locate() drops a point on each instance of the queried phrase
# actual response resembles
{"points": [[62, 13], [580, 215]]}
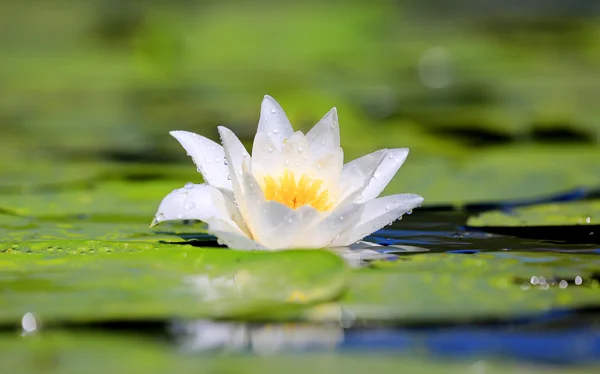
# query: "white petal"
{"points": [[325, 135], [272, 224], [266, 158], [274, 122], [326, 231], [229, 236], [377, 214], [236, 155], [297, 156], [329, 168], [357, 174], [385, 172], [207, 155], [194, 201]]}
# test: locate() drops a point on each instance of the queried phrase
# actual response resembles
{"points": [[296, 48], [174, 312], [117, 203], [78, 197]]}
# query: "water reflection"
{"points": [[262, 339], [523, 342]]}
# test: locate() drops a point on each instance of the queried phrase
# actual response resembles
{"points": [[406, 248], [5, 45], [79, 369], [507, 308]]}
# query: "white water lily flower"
{"points": [[294, 192]]}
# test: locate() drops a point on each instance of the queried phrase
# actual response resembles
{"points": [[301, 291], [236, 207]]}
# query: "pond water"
{"points": [[448, 297]]}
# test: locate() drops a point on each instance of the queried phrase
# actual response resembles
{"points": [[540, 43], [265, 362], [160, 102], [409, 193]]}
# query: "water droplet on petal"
{"points": [[391, 155], [189, 185], [160, 217], [270, 149], [300, 148], [228, 177], [409, 212], [376, 175], [189, 205], [180, 216], [273, 110], [323, 141], [275, 131], [387, 206], [217, 159]]}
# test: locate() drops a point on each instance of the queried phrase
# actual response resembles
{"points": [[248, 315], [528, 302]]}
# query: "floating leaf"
{"points": [[559, 214], [440, 287], [136, 280]]}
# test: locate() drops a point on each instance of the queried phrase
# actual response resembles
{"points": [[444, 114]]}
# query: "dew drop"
{"points": [[189, 205], [228, 177], [217, 159], [225, 161], [180, 216], [275, 131], [273, 110], [212, 147], [391, 155], [376, 175], [270, 149], [208, 160], [387, 206], [189, 185], [409, 212], [323, 141], [160, 217], [300, 148], [290, 220]]}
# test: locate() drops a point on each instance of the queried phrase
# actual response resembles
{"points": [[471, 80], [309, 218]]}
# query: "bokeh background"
{"points": [[497, 100]]}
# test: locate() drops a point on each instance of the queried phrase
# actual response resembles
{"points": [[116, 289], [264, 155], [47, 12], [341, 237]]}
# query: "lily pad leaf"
{"points": [[163, 282], [558, 214], [454, 288]]}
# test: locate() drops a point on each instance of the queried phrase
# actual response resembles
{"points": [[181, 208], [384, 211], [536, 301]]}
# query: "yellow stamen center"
{"points": [[295, 194]]}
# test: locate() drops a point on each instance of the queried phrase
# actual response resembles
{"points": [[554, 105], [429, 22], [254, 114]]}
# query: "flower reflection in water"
{"points": [[263, 339]]}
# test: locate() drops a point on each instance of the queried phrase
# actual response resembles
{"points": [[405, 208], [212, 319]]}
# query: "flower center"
{"points": [[306, 191]]}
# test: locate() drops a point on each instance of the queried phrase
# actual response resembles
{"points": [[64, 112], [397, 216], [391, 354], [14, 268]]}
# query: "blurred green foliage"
{"points": [[108, 79]]}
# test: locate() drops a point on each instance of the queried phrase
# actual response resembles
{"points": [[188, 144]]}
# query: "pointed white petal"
{"points": [[274, 122], [327, 230], [235, 152], [325, 135], [266, 158], [232, 237], [236, 155], [385, 172], [329, 169], [207, 155], [377, 214], [194, 201], [357, 174], [296, 154]]}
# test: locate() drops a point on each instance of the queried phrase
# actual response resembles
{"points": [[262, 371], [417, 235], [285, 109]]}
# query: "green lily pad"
{"points": [[463, 288], [64, 352], [558, 214], [138, 280], [504, 173], [19, 229], [108, 202]]}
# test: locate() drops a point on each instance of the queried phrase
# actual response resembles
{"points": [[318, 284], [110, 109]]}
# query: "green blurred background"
{"points": [[480, 90]]}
